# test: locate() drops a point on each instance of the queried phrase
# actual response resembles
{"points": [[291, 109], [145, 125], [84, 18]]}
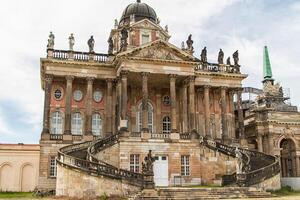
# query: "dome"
{"points": [[140, 11]]}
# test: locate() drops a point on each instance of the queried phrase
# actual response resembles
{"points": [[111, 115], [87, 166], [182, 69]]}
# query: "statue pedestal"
{"points": [[146, 135], [150, 194], [244, 143], [174, 136]]}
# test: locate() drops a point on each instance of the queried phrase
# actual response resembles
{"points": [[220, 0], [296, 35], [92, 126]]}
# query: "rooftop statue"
{"points": [[91, 43], [204, 55], [50, 44], [182, 45], [239, 164], [116, 23], [235, 56], [167, 28], [71, 42], [110, 45], [228, 61], [190, 43], [221, 57]]}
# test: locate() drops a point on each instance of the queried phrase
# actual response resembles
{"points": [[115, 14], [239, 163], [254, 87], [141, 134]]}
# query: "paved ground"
{"points": [[294, 197]]}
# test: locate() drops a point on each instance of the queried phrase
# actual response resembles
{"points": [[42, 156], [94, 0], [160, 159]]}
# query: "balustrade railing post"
{"points": [[91, 57], [50, 53], [70, 55]]}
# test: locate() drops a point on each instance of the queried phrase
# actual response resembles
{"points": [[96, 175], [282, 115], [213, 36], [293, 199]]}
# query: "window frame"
{"points": [[166, 124], [101, 98], [134, 163], [100, 124], [52, 166], [56, 123], [150, 117], [79, 126], [185, 169]]}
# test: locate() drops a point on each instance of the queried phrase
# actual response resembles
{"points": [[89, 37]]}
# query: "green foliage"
{"points": [[10, 195], [285, 191]]}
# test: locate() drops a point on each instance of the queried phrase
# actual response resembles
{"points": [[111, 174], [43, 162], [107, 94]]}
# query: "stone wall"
{"points": [[110, 155], [293, 182], [78, 184], [273, 183]]}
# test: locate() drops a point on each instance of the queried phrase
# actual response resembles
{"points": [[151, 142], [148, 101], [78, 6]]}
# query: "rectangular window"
{"points": [[135, 163], [52, 172], [145, 39], [185, 165]]}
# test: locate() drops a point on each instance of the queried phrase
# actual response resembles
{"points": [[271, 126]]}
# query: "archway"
{"points": [[287, 156], [6, 178], [27, 178]]}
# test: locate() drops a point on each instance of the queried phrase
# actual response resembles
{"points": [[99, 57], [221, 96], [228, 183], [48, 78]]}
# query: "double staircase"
{"points": [[257, 168]]}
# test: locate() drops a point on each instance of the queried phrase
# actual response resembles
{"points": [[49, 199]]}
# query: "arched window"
{"points": [[150, 117], [166, 125], [96, 124], [56, 123], [76, 124]]}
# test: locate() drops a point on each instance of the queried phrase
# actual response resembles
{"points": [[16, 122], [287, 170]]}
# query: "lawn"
{"points": [[14, 195]]}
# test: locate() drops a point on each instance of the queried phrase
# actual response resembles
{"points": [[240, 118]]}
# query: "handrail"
{"points": [[251, 173], [79, 56], [95, 166]]}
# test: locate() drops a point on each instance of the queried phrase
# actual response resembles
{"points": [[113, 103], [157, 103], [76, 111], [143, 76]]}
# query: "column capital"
{"points": [[224, 87], [90, 80], [191, 78], [124, 73], [110, 80], [173, 76], [48, 78], [206, 86], [69, 78], [145, 74]]}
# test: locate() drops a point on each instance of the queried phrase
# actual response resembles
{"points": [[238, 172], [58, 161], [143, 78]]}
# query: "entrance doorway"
{"points": [[161, 173], [288, 155]]}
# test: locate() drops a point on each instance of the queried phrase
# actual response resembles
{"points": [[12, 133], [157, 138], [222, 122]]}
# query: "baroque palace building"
{"points": [[146, 113]]}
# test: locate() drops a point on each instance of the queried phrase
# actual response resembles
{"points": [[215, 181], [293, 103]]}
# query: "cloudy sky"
{"points": [[246, 25]]}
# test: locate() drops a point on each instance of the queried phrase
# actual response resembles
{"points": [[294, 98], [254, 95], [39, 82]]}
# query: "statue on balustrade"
{"points": [[240, 163], [116, 23], [110, 45], [147, 166], [182, 45], [71, 42], [167, 28], [228, 61], [124, 37], [50, 44], [190, 43], [221, 57], [235, 56], [91, 43], [204, 55]]}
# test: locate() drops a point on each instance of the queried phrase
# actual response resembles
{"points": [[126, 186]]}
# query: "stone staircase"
{"points": [[210, 193]]}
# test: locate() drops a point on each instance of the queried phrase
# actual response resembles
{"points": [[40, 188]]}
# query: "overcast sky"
{"points": [[246, 25]]}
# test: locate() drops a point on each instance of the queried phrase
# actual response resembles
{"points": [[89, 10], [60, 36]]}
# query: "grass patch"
{"points": [[10, 195], [285, 191]]}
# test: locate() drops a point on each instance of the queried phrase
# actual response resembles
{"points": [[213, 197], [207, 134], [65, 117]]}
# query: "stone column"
{"points": [[240, 114], [270, 143], [109, 108], [124, 97], [207, 111], [298, 165], [232, 115], [47, 100], [184, 108], [68, 105], [223, 114], [158, 111], [173, 102], [145, 102], [89, 105], [192, 103], [259, 143]]}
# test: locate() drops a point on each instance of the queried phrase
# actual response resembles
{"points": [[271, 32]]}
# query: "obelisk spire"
{"points": [[267, 70]]}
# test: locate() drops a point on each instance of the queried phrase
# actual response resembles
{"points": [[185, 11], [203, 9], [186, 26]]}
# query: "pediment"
{"points": [[159, 50]]}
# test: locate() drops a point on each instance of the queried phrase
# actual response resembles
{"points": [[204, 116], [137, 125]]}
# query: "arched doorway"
{"points": [[288, 158], [27, 178], [6, 178]]}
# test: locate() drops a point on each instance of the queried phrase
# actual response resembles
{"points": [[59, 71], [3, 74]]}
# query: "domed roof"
{"points": [[140, 11]]}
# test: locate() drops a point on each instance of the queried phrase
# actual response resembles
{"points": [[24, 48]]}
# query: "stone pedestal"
{"points": [[174, 136], [146, 135], [67, 137], [150, 194], [244, 143], [88, 137], [45, 136]]}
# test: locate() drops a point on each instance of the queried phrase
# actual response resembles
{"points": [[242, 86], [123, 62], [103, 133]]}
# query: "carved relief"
{"points": [[157, 53]]}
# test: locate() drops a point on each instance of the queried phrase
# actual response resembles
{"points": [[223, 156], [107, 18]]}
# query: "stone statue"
{"points": [[182, 45], [189, 43], [228, 61], [158, 20], [50, 44], [71, 42], [147, 166], [116, 24], [240, 164], [221, 57], [167, 28], [91, 43], [132, 18], [204, 55], [110, 45], [124, 36], [235, 56]]}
